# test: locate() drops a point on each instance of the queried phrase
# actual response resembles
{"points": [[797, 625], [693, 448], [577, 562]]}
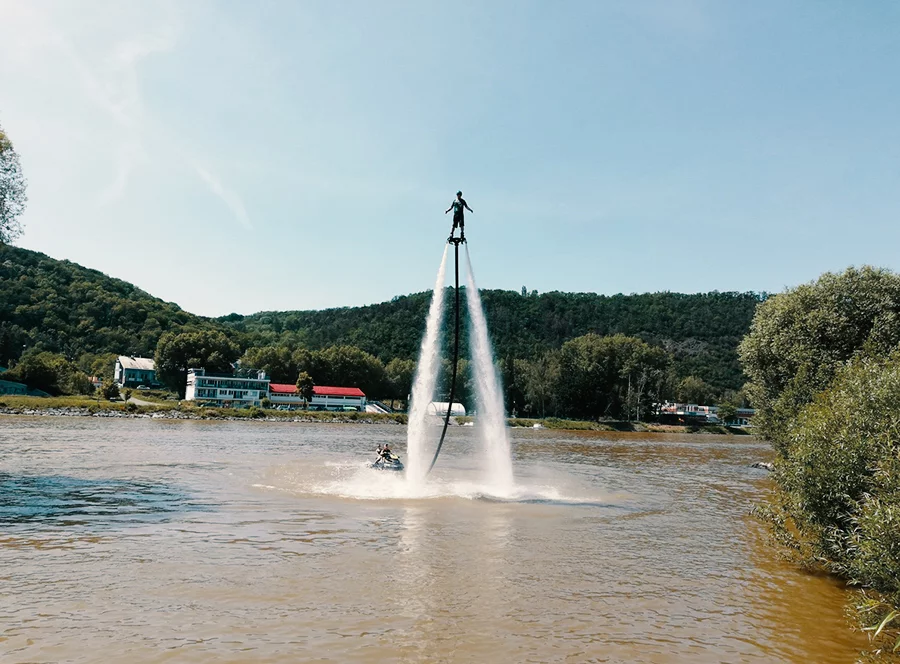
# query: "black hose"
{"points": [[455, 358]]}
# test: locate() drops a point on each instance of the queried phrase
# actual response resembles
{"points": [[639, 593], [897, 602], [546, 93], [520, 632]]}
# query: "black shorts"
{"points": [[459, 221]]}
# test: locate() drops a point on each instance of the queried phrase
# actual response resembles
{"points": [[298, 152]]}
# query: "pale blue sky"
{"points": [[238, 156]]}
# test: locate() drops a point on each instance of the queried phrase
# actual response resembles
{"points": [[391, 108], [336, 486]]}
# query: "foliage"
{"points": [[305, 386], [176, 353], [345, 366], [701, 331], [694, 390], [101, 365], [727, 411], [110, 391], [400, 374], [610, 376], [277, 361], [799, 339], [51, 373], [12, 191], [62, 307]]}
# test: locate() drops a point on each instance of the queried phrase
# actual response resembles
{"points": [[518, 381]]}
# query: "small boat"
{"points": [[388, 461]]}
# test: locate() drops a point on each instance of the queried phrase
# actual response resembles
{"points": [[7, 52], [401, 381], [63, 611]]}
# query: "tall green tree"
{"points": [[276, 361], [345, 366], [692, 389], [12, 191], [178, 352], [400, 374], [610, 376], [799, 339], [305, 386], [51, 373], [540, 378]]}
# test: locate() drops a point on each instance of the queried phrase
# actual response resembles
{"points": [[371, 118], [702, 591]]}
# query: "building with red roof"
{"points": [[324, 397]]}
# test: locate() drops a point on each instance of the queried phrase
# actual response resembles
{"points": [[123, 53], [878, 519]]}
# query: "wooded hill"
{"points": [[63, 307]]}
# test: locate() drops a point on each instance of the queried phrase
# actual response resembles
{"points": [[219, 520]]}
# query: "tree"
{"points": [[178, 352], [276, 361], [50, 373], [799, 339], [12, 191], [726, 411], [540, 377], [612, 376], [305, 386], [400, 374], [345, 366], [101, 365], [110, 391], [694, 390]]}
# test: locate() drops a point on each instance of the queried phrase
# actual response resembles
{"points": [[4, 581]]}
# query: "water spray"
{"points": [[455, 242]]}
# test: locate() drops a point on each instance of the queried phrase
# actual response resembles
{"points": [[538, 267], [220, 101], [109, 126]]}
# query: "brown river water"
{"points": [[171, 541]]}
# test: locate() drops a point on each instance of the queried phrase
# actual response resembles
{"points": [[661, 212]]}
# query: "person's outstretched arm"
{"points": [[468, 208], [449, 208]]}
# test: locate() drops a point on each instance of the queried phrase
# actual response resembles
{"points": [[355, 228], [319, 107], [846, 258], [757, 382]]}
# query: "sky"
{"points": [[240, 157]]}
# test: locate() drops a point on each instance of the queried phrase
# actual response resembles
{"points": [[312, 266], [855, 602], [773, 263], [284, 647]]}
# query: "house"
{"points": [[134, 371], [11, 388], [324, 397], [227, 390]]}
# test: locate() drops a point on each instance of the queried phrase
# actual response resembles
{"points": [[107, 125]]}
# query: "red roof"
{"points": [[282, 388], [318, 390], [325, 391]]}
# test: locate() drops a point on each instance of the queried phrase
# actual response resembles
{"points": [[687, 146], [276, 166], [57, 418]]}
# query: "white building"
{"points": [[324, 397], [226, 390], [439, 408], [134, 371]]}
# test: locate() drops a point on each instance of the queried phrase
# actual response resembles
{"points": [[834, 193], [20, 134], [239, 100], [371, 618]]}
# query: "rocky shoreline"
{"points": [[69, 411]]}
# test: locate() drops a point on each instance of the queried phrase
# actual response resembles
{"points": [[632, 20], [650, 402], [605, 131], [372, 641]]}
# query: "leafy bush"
{"points": [[840, 480], [110, 391]]}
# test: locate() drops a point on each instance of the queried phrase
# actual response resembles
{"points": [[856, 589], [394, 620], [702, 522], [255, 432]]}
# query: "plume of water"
{"points": [[488, 392], [425, 381]]}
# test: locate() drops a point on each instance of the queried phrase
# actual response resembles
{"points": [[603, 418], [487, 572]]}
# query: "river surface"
{"points": [[171, 541]]}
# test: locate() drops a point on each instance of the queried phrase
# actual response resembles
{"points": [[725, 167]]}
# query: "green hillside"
{"points": [[59, 306], [701, 331], [62, 307]]}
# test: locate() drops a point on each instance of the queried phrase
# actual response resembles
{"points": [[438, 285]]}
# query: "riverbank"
{"points": [[76, 406]]}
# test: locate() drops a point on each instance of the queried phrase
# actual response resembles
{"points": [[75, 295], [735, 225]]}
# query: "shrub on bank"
{"points": [[840, 480]]}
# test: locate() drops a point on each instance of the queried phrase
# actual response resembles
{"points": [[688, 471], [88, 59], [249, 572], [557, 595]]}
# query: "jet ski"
{"points": [[388, 461]]}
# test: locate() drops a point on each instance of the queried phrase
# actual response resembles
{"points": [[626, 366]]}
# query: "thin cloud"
{"points": [[231, 199]]}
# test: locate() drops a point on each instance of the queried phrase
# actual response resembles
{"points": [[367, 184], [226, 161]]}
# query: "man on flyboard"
{"points": [[458, 206]]}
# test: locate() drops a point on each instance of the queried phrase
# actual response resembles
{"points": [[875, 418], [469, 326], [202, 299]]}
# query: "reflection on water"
{"points": [[132, 541]]}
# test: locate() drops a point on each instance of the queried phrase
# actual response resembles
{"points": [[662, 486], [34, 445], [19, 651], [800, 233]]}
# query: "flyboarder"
{"points": [[458, 206]]}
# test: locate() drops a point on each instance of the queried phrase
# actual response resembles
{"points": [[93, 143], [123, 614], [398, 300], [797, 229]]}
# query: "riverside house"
{"points": [[226, 390], [134, 371]]}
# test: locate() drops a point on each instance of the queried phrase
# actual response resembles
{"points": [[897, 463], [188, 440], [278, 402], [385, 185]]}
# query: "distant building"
{"points": [[439, 408], [11, 388], [226, 390], [689, 412], [324, 397], [286, 396], [134, 371]]}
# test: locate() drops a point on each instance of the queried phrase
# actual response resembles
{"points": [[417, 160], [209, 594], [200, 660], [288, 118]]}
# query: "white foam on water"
{"points": [[425, 382], [355, 480], [491, 416]]}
